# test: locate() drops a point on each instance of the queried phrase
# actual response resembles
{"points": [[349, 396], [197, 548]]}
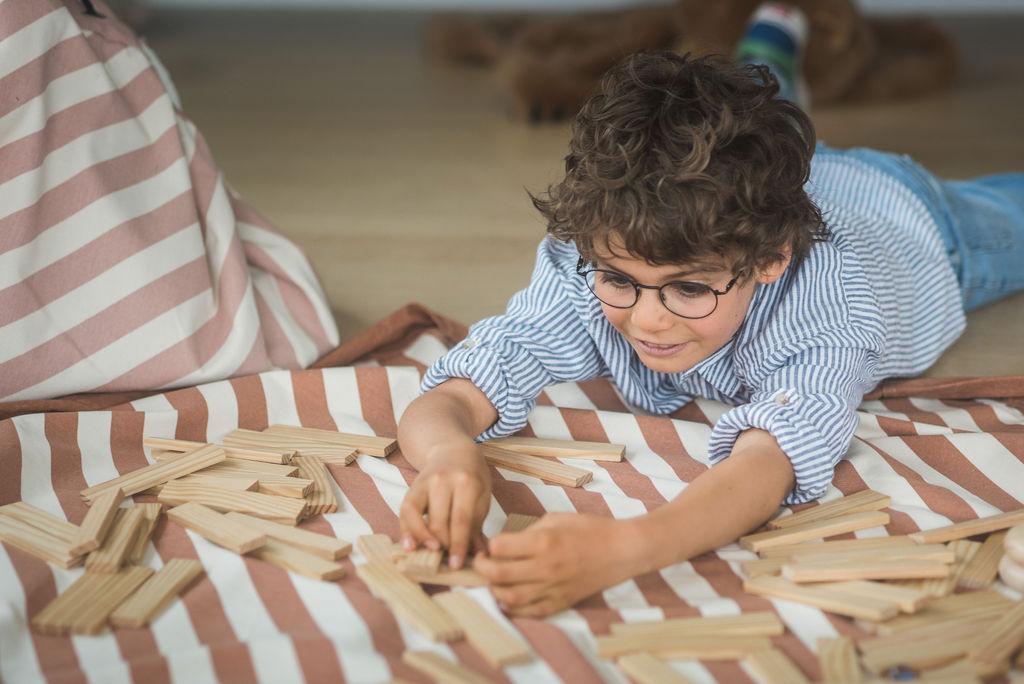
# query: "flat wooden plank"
{"points": [[114, 552], [263, 455], [158, 473], [292, 487], [931, 552], [909, 600], [952, 608], [253, 467], [299, 561], [867, 569], [517, 522], [957, 672], [232, 481], [219, 529], [440, 669], [772, 666], [824, 597], [277, 508], [40, 519], [838, 660], [488, 636], [542, 468], [252, 439], [37, 542], [339, 459], [681, 646], [367, 444], [97, 522], [150, 517], [561, 448], [421, 562], [760, 623], [864, 500], [997, 643], [970, 528], [924, 647], [376, 548], [643, 668], [446, 577], [328, 548], [85, 606], [863, 544], [980, 571], [965, 550], [406, 599], [814, 530], [156, 593], [321, 499], [763, 566]]}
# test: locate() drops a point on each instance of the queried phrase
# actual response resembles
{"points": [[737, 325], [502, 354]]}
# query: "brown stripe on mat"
{"points": [[600, 392], [662, 438], [10, 447], [914, 413], [939, 453], [252, 402], [985, 416], [193, 414], [310, 398], [375, 399], [66, 478]]}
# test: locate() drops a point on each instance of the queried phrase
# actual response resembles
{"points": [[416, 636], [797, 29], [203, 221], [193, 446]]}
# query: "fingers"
{"points": [[523, 544], [462, 523], [1012, 573], [518, 596], [410, 517], [439, 499], [506, 572]]}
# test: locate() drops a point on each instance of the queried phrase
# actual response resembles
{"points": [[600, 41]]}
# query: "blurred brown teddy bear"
{"points": [[551, 63]]}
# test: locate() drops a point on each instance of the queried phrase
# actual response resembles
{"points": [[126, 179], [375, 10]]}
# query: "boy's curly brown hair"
{"points": [[688, 160]]}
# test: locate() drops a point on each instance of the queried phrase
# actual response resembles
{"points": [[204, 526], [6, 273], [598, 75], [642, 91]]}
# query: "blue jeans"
{"points": [[981, 222]]}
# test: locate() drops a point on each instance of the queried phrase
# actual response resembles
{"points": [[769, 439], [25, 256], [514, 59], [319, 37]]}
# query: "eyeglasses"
{"points": [[683, 298]]}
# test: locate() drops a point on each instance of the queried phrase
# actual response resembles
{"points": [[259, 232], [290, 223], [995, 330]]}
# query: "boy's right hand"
{"points": [[453, 491]]}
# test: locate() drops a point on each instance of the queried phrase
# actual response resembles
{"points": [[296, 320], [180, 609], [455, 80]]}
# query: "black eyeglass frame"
{"points": [[661, 295]]}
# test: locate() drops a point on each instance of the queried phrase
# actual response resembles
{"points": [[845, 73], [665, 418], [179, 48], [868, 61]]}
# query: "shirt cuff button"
{"points": [[782, 400], [468, 343]]}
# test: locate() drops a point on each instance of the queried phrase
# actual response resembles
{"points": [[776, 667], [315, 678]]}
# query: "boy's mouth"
{"points": [[660, 350]]}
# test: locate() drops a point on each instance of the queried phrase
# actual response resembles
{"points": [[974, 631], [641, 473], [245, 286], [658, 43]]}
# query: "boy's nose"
{"points": [[649, 314]]}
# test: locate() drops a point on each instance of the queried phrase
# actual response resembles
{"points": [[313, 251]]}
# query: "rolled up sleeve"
{"points": [[809, 405], [541, 339]]}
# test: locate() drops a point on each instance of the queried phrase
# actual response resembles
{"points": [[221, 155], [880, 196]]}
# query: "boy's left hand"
{"points": [[558, 561]]}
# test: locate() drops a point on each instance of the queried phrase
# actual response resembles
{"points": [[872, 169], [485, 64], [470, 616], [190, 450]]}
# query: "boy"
{"points": [[688, 256]]}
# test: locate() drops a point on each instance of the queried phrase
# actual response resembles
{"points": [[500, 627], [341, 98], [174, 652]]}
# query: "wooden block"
{"points": [[114, 552], [157, 593], [297, 560], [257, 468], [367, 444], [918, 552], [763, 566], [762, 623], [278, 456], [445, 577], [322, 499], [277, 508], [924, 647], [37, 542], [980, 571], [440, 669], [328, 548], [292, 487], [909, 600], [772, 666], [376, 548], [543, 468], [421, 562], [234, 482], [86, 605], [865, 544], [824, 597], [38, 518], [407, 600], [97, 522], [952, 608], [969, 528], [219, 529], [838, 660], [643, 668], [994, 646], [487, 635], [251, 439], [561, 448], [814, 530], [865, 500], [150, 516], [828, 571], [965, 550], [339, 459], [957, 672], [681, 646], [517, 522], [158, 473]]}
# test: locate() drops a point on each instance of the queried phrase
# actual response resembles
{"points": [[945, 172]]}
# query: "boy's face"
{"points": [[664, 341]]}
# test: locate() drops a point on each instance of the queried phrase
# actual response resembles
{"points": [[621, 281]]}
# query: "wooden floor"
{"points": [[406, 181]]}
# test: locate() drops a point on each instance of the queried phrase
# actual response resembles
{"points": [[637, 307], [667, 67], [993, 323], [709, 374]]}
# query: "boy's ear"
{"points": [[771, 271]]}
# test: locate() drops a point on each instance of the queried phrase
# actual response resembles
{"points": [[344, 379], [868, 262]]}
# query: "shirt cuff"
{"points": [[486, 369], [786, 415]]}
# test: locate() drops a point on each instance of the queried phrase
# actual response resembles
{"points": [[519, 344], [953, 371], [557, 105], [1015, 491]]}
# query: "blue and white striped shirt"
{"points": [[880, 299]]}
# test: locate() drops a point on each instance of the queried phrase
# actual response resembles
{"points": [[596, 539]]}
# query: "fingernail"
{"points": [[408, 543], [502, 605], [454, 562]]}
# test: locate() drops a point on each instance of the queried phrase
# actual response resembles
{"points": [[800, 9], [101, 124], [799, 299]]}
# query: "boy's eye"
{"points": [[614, 280], [685, 290]]}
